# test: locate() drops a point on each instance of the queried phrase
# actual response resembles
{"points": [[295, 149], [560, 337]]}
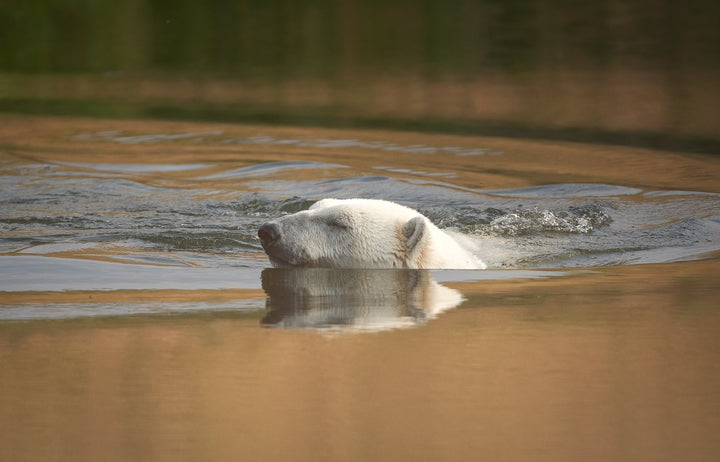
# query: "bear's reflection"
{"points": [[353, 299]]}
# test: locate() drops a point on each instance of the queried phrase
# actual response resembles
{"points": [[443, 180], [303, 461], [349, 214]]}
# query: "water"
{"points": [[206, 215], [139, 316]]}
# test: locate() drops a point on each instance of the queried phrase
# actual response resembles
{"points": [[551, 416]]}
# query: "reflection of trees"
{"points": [[277, 39], [630, 66], [353, 299]]}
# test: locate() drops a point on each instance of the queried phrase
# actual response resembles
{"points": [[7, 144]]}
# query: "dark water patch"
{"points": [[218, 241], [685, 232], [73, 222], [258, 205], [40, 189]]}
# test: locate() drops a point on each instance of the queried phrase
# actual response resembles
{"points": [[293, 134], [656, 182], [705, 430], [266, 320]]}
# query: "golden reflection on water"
{"points": [[615, 364], [612, 364]]}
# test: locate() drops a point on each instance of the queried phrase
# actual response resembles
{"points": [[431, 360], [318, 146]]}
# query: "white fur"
{"points": [[365, 233]]}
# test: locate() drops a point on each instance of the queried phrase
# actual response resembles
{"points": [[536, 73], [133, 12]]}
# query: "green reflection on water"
{"points": [[631, 69], [322, 37]]}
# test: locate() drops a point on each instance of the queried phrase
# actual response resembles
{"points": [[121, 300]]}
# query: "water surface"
{"points": [[139, 318]]}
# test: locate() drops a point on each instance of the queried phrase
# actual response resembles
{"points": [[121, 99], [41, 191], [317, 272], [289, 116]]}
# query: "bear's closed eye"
{"points": [[336, 223]]}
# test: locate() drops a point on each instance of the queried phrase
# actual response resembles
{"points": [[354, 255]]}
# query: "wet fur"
{"points": [[364, 233]]}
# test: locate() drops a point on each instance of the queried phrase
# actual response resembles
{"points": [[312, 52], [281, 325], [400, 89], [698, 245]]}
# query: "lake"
{"points": [[140, 318]]}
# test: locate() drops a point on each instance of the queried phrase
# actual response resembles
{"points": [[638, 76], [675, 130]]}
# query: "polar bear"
{"points": [[363, 233]]}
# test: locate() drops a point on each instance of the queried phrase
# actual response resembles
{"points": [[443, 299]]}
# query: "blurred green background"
{"points": [[638, 72]]}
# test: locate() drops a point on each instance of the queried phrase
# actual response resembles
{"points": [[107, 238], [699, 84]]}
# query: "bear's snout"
{"points": [[269, 233]]}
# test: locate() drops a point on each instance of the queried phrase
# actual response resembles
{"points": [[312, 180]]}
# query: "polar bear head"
{"points": [[361, 233]]}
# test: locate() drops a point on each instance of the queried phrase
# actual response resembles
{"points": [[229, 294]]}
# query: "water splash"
{"points": [[574, 220]]}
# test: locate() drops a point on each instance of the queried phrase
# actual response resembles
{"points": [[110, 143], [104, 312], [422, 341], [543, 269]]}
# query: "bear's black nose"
{"points": [[269, 233]]}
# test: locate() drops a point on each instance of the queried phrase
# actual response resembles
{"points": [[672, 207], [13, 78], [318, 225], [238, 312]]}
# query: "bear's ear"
{"points": [[415, 230]]}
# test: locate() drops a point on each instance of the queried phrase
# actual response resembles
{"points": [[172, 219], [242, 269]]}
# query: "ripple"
{"points": [[567, 190], [272, 168]]}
